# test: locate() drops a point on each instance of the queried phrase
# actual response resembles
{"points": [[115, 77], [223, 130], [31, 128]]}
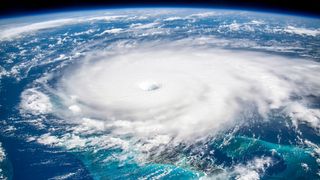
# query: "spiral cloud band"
{"points": [[181, 93]]}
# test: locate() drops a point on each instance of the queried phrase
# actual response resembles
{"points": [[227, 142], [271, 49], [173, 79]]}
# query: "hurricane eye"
{"points": [[149, 86]]}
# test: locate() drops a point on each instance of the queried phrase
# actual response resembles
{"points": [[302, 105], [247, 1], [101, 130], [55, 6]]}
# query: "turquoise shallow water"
{"points": [[286, 162]]}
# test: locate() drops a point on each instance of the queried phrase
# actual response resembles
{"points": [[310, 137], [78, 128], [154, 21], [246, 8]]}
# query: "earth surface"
{"points": [[160, 93]]}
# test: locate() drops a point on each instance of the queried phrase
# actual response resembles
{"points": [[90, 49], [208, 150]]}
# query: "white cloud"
{"points": [[20, 30], [15, 32], [256, 22], [302, 31], [48, 139], [2, 153], [71, 141], [84, 32], [173, 18], [112, 31], [106, 18], [235, 26], [64, 176], [3, 72], [144, 26], [204, 14], [2, 158], [35, 102], [300, 113], [253, 169]]}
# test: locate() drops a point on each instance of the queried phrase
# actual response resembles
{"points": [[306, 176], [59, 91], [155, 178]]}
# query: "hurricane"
{"points": [[185, 93]]}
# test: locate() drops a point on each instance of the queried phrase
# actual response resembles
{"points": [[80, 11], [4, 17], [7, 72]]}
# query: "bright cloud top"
{"points": [[14, 32], [182, 93], [20, 30]]}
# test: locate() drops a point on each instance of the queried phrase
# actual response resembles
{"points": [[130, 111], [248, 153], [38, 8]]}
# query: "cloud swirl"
{"points": [[183, 92]]}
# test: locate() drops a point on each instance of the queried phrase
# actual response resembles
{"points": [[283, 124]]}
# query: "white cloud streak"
{"points": [[15, 32], [20, 30], [302, 31]]}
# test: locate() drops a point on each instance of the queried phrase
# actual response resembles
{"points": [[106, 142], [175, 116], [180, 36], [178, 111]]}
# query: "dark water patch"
{"points": [[33, 161]]}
